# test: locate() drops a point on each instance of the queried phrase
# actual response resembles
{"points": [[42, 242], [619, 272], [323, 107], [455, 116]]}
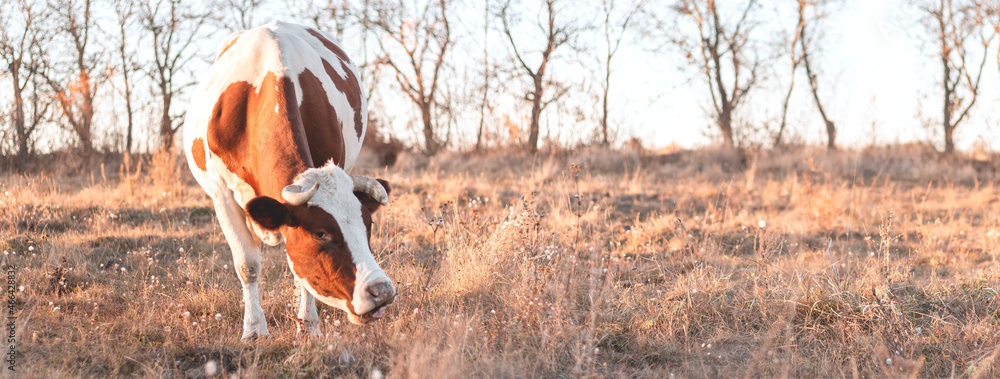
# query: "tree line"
{"points": [[65, 62]]}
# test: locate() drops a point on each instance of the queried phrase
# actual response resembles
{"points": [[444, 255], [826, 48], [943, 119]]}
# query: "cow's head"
{"points": [[326, 221]]}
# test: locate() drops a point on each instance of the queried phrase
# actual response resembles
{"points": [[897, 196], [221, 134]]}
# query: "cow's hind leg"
{"points": [[308, 318], [246, 259]]}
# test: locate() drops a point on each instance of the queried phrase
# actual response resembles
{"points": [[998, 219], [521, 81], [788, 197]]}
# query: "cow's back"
{"points": [[276, 94]]}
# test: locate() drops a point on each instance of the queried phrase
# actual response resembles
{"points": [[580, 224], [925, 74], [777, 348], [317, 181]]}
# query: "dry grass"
{"points": [[700, 264]]}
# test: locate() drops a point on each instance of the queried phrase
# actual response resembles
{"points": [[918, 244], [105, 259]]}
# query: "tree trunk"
{"points": [[76, 101], [726, 125], [430, 142], [129, 113], [128, 93], [482, 114], [166, 125], [486, 76], [831, 130], [949, 144], [949, 91], [536, 111], [604, 109], [725, 100], [22, 136], [784, 110], [604, 99], [83, 133], [87, 111]]}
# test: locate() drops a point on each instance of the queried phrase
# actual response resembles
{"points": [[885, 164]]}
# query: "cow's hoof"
{"points": [[253, 336]]}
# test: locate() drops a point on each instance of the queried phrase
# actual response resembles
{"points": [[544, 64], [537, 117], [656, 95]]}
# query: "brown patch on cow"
{"points": [[198, 153], [266, 149], [329, 45], [229, 44], [326, 264], [323, 128], [227, 135], [351, 88]]}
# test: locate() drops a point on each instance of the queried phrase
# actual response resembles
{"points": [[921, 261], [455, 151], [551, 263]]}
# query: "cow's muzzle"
{"points": [[380, 294]]}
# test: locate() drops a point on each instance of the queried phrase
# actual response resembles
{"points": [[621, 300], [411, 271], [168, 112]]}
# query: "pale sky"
{"points": [[873, 70]]}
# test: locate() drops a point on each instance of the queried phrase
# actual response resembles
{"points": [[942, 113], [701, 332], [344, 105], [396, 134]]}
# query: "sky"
{"points": [[874, 71], [879, 83]]}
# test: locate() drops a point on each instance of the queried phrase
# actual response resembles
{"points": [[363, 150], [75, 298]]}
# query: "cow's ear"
{"points": [[368, 201], [268, 212]]}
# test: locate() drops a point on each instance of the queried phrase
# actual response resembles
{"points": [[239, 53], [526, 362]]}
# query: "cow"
{"points": [[272, 132]]}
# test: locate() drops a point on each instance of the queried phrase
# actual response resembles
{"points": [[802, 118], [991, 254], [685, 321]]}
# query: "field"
{"points": [[802, 263]]}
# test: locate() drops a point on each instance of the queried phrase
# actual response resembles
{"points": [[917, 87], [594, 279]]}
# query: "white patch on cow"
{"points": [[336, 196], [276, 107]]}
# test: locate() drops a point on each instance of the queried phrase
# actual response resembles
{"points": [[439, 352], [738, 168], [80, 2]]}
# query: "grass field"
{"points": [[875, 263]]}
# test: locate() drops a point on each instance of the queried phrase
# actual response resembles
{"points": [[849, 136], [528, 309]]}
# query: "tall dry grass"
{"points": [[878, 263]]}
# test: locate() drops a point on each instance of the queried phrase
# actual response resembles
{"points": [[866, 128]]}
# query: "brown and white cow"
{"points": [[271, 133]]}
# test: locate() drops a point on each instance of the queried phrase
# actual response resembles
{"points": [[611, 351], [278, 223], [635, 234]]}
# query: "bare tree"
{"points": [[994, 15], [21, 50], [424, 37], [173, 28], [240, 14], [369, 69], [808, 36], [486, 75], [809, 14], [723, 52], [795, 59], [125, 12], [76, 93], [614, 32], [334, 16], [957, 26], [557, 32]]}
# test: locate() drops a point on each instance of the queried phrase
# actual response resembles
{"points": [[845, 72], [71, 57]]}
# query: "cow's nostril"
{"points": [[380, 291]]}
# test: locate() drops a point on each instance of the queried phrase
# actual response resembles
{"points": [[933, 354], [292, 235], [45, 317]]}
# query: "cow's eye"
{"points": [[320, 235]]}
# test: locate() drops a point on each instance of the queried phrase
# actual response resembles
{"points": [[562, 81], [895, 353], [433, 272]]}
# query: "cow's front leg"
{"points": [[246, 260], [308, 318]]}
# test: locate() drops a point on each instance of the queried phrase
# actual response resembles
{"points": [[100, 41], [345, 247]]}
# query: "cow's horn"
{"points": [[295, 195], [370, 186]]}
